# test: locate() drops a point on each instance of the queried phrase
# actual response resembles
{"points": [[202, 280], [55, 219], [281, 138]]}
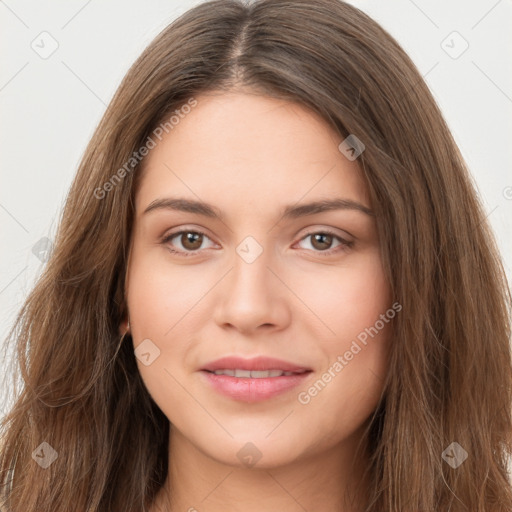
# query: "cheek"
{"points": [[348, 391], [356, 305], [160, 294], [161, 302], [348, 298]]}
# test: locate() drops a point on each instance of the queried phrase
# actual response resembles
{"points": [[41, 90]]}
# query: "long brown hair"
{"points": [[450, 373]]}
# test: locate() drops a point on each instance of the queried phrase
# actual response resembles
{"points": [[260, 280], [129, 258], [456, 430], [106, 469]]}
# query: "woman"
{"points": [[273, 288]]}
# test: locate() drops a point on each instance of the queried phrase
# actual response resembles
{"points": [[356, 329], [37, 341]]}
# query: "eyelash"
{"points": [[344, 244]]}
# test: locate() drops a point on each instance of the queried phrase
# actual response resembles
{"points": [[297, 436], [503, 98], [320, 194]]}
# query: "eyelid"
{"points": [[339, 233], [344, 243], [167, 237]]}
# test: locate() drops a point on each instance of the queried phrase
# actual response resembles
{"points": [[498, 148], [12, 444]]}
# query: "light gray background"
{"points": [[50, 107]]}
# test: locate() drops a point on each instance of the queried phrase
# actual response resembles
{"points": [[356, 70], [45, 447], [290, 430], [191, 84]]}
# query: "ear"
{"points": [[124, 326]]}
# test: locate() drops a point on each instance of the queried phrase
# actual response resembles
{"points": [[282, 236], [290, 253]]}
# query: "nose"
{"points": [[251, 296]]}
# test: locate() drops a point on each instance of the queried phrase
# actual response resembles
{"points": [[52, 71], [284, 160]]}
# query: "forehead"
{"points": [[235, 148]]}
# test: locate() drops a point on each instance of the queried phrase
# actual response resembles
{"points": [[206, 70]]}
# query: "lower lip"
{"points": [[253, 390]]}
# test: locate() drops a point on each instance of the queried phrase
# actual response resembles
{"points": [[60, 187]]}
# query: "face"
{"points": [[258, 274]]}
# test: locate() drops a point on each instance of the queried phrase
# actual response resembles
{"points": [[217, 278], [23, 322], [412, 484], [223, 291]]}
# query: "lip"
{"points": [[255, 363], [247, 389]]}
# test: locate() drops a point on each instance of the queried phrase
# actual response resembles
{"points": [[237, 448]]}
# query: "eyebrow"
{"points": [[290, 211]]}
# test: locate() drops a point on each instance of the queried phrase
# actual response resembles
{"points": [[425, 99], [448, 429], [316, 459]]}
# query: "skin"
{"points": [[250, 156]]}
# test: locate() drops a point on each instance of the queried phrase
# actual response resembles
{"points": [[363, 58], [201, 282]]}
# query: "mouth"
{"points": [[253, 380]]}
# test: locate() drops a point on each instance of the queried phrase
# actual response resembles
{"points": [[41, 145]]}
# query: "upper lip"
{"points": [[256, 363]]}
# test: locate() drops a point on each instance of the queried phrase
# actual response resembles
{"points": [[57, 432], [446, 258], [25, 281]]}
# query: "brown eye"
{"points": [[321, 241], [191, 240], [185, 242], [326, 242]]}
